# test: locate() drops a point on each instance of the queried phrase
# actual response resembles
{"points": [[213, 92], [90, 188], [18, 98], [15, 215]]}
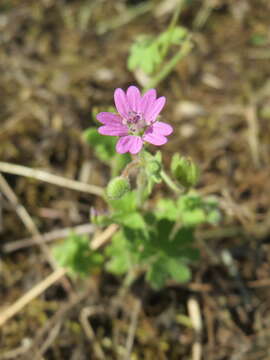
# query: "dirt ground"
{"points": [[59, 60]]}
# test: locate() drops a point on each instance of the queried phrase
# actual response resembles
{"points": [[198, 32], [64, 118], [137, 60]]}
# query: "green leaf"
{"points": [[164, 228], [120, 261], [212, 210], [178, 270], [132, 220], [164, 268], [259, 39], [157, 275], [195, 210], [142, 55], [184, 236], [175, 245], [214, 217], [126, 204], [75, 255], [104, 146], [189, 254], [175, 36], [193, 217], [166, 209], [146, 52], [190, 207]]}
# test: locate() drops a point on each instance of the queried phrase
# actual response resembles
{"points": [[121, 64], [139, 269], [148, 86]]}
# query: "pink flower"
{"points": [[136, 121]]}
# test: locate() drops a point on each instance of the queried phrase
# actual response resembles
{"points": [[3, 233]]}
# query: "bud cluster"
{"points": [[185, 171]]}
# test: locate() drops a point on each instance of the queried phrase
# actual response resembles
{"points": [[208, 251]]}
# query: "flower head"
{"points": [[136, 121]]}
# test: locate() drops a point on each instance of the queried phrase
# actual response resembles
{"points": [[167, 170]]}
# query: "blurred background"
{"points": [[59, 61]]}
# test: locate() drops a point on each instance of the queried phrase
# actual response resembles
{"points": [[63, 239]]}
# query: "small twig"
{"points": [[233, 271], [54, 331], [19, 208], [31, 295], [50, 178], [259, 283], [30, 225], [102, 239], [196, 319], [253, 133], [51, 279], [47, 237], [85, 314], [123, 18], [171, 27], [203, 14], [17, 352], [132, 329], [58, 316]]}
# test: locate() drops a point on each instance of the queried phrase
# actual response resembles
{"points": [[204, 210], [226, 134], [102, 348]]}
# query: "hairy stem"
{"points": [[141, 181], [169, 66], [129, 167], [169, 182]]}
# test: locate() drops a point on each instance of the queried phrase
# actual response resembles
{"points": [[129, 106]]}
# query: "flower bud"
{"points": [[118, 187], [153, 167], [185, 171]]}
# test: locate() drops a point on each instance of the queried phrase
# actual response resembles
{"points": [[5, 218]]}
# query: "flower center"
{"points": [[135, 123]]}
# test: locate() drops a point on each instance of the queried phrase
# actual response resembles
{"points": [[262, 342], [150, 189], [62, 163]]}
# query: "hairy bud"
{"points": [[118, 187], [184, 171]]}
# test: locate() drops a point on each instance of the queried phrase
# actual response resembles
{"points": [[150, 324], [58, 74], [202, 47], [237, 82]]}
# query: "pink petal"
{"points": [[147, 101], [108, 118], [155, 109], [121, 102], [162, 128], [153, 137], [130, 143], [113, 130], [134, 98], [136, 145]]}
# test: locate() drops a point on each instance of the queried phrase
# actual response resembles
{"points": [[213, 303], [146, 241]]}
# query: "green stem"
{"points": [[141, 181], [167, 68], [171, 27], [141, 186], [169, 182], [129, 167]]}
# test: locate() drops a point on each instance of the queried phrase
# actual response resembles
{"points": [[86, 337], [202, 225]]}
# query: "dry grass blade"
{"points": [[50, 280], [253, 133], [30, 295], [85, 314], [132, 329], [102, 238], [50, 236], [50, 178], [30, 225], [196, 319]]}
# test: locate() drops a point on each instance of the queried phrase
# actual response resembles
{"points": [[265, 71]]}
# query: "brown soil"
{"points": [[59, 60]]}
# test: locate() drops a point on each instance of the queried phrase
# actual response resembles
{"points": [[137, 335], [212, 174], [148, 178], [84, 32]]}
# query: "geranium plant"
{"points": [[158, 239]]}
